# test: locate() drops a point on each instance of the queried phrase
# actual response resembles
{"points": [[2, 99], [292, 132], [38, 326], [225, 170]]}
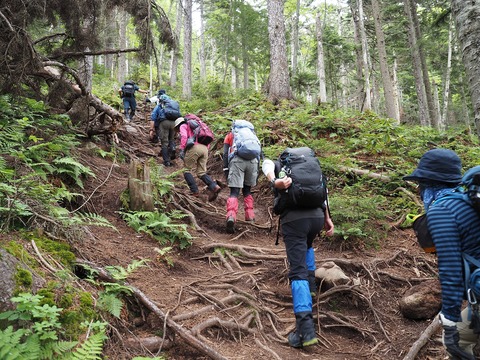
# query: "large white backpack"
{"points": [[245, 141]]}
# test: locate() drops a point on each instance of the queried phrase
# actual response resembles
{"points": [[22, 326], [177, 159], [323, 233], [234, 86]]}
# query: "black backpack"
{"points": [[308, 189], [128, 89]]}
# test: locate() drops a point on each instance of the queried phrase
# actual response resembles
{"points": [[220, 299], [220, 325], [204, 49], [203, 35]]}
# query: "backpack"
{"points": [[128, 89], [201, 132], [172, 109], [245, 141], [308, 189]]}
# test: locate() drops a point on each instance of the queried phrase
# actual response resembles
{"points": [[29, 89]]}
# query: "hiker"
{"points": [[165, 128], [240, 167], [299, 227], [155, 133], [454, 227], [195, 156], [156, 98], [127, 93]]}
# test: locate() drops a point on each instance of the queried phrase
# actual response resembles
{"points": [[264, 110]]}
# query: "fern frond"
{"points": [[110, 303], [91, 349]]}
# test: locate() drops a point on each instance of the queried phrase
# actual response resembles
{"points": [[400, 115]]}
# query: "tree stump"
{"points": [[140, 187]]}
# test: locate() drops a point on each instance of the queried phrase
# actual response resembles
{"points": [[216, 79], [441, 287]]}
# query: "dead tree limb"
{"points": [[422, 340], [149, 304], [383, 178], [81, 54]]}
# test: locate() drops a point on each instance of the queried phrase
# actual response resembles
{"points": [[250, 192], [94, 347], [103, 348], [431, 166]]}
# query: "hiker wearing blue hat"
{"points": [[454, 227]]}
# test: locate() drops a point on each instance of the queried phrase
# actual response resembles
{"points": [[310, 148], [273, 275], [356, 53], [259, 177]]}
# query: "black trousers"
{"points": [[298, 236]]}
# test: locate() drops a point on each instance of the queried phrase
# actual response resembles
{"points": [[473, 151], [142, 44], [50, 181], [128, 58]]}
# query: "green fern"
{"points": [[110, 303], [120, 273], [91, 349], [160, 226], [74, 169]]}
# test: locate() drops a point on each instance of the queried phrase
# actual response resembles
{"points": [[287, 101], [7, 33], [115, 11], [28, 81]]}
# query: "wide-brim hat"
{"points": [[438, 165], [179, 121]]}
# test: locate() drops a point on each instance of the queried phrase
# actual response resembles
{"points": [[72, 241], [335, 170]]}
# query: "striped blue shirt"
{"points": [[455, 228]]}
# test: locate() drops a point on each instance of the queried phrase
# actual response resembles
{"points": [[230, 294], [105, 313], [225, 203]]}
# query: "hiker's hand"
{"points": [[328, 226], [450, 339], [283, 183], [181, 155]]}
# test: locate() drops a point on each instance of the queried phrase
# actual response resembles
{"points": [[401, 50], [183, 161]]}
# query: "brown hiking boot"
{"points": [[214, 193]]}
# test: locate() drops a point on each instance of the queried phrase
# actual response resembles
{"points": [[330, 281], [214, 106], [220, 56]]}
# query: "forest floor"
{"points": [[231, 290]]}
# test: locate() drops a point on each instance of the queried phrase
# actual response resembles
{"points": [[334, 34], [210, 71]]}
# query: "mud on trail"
{"points": [[230, 291]]}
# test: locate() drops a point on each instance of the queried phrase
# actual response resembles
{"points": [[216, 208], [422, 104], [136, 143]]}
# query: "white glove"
{"points": [[268, 167]]}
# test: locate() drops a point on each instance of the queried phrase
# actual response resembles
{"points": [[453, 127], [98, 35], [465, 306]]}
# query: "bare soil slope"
{"points": [[231, 291]]}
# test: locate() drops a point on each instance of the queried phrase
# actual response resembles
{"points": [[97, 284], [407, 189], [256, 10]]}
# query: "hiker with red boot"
{"points": [[241, 155], [195, 139]]}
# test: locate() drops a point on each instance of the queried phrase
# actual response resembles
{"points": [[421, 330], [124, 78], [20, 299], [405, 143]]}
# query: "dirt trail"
{"points": [[232, 292]]}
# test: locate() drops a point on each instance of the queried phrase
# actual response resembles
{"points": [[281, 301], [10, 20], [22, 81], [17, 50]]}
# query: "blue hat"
{"points": [[438, 165], [161, 92]]}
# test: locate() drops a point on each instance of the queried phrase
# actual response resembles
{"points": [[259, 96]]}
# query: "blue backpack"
{"points": [[245, 141], [171, 108]]}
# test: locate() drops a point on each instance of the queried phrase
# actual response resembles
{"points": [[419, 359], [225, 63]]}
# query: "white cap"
{"points": [[179, 121]]}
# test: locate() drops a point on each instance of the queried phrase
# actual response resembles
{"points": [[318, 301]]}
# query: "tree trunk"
{"points": [[426, 77], [122, 58], [359, 64], [140, 187], [279, 80], [388, 89], [203, 66], [322, 91], [176, 51], [436, 103], [448, 71], [397, 90], [423, 113], [367, 104], [295, 41], [187, 51], [466, 15]]}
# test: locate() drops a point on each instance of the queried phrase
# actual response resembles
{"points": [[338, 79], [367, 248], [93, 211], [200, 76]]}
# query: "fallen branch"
{"points": [[383, 178], [422, 340]]}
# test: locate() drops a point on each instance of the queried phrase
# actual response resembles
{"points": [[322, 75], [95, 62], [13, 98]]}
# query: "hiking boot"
{"points": [[304, 334], [230, 225], [214, 193], [195, 194], [296, 341], [167, 163]]}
